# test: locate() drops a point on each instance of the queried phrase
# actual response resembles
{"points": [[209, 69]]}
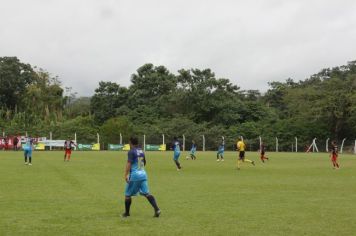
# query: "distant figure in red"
{"points": [[15, 142], [262, 152], [334, 155], [68, 145]]}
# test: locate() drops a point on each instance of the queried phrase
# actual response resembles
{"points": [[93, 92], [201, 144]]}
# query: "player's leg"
{"points": [[30, 157], [175, 158], [145, 192], [249, 161], [238, 163], [69, 154], [222, 156], [218, 156], [25, 155], [65, 155], [336, 163], [131, 189], [127, 206]]}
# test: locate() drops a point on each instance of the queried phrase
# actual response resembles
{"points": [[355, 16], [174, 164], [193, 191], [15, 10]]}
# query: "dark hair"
{"points": [[134, 141], [175, 138]]}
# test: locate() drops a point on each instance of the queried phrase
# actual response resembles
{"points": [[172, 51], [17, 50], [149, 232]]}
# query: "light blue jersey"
{"points": [[221, 147], [27, 147], [137, 159], [193, 149], [138, 177], [176, 150], [28, 144]]}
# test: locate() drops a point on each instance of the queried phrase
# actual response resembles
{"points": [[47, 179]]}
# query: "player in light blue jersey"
{"points": [[27, 148], [193, 150], [136, 178], [176, 152], [221, 149]]}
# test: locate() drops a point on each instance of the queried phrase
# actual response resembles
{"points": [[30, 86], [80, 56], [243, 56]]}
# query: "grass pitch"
{"points": [[292, 194]]}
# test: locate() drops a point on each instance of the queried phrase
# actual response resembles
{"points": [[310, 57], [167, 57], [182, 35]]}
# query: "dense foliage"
{"points": [[192, 102]]}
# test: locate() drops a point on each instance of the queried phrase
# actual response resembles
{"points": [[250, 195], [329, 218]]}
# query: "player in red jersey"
{"points": [[68, 145], [334, 153], [262, 152]]}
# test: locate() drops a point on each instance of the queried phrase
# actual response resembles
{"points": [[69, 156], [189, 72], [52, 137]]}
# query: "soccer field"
{"points": [[292, 194]]}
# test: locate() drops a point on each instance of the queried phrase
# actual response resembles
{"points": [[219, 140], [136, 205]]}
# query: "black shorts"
{"points": [[242, 155]]}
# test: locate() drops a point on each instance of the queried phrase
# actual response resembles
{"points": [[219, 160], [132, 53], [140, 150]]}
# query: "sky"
{"points": [[249, 42]]}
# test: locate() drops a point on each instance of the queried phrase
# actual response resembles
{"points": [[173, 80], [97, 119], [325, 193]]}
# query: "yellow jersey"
{"points": [[241, 146]]}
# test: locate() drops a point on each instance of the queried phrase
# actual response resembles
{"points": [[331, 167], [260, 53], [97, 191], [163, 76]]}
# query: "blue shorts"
{"points": [[134, 187], [28, 152], [221, 152], [176, 156]]}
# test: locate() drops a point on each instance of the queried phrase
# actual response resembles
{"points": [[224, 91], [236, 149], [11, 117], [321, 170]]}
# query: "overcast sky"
{"points": [[249, 42]]}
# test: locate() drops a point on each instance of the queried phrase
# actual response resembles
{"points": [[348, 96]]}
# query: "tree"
{"points": [[111, 129], [108, 98], [14, 79]]}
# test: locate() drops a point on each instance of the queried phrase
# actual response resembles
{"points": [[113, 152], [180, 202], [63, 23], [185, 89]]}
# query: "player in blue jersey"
{"points": [[27, 148], [221, 149], [176, 152], [193, 150], [136, 178]]}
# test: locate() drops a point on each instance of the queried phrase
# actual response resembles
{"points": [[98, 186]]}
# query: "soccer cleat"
{"points": [[222, 159], [26, 163], [124, 215], [218, 160], [30, 164], [253, 163], [157, 213]]}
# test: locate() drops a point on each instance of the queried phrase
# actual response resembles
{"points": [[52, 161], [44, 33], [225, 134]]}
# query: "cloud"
{"points": [[249, 42]]}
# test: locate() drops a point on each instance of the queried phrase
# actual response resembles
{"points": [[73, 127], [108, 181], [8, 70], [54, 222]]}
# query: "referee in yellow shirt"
{"points": [[241, 146]]}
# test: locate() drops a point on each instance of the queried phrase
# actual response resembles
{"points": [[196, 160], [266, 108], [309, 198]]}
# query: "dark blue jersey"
{"points": [[137, 159]]}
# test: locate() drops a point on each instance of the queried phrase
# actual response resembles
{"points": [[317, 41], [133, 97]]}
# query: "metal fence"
{"points": [[211, 143]]}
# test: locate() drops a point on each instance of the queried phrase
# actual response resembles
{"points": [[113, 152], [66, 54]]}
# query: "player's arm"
{"points": [[127, 171], [128, 166]]}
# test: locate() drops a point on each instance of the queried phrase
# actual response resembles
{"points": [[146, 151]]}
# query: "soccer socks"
{"points": [[127, 206], [29, 159], [25, 158], [249, 161], [152, 201]]}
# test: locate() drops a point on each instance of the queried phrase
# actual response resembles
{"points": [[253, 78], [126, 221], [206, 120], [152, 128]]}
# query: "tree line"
{"points": [[192, 102]]}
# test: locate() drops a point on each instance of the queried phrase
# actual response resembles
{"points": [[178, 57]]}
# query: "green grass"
{"points": [[292, 194]]}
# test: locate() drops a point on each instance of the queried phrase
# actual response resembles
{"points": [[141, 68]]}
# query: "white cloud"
{"points": [[249, 42]]}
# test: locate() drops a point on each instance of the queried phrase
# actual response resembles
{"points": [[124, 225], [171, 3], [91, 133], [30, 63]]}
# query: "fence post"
{"points": [[327, 145], [203, 143], [260, 142], [183, 142], [75, 139], [342, 145], [144, 142], [50, 138], [296, 144], [162, 138], [276, 144], [355, 147], [98, 137], [120, 138]]}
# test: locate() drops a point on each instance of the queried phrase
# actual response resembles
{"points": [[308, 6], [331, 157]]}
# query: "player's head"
{"points": [[134, 141], [333, 142]]}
